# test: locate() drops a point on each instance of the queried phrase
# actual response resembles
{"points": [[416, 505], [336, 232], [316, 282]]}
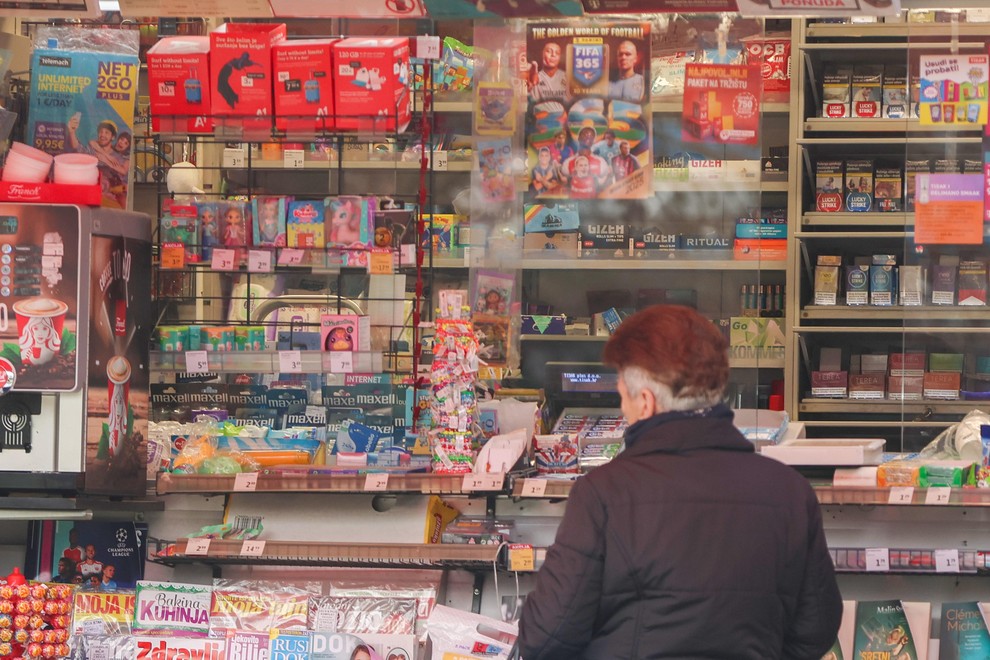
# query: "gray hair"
{"points": [[637, 379]]}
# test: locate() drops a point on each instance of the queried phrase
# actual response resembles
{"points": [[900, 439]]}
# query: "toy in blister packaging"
{"points": [[180, 224], [455, 69], [210, 235], [304, 224], [556, 454], [269, 220]]}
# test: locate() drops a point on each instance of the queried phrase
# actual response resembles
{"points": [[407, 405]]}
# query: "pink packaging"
{"points": [[371, 84], [304, 85], [241, 68], [178, 82]]}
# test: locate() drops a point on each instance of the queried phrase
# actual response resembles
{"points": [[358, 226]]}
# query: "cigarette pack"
{"points": [[867, 83], [836, 92], [859, 185], [972, 280], [889, 189], [857, 284]]}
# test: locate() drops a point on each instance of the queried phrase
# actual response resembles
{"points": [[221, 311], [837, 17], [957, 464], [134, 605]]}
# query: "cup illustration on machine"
{"points": [[39, 328], [119, 390]]}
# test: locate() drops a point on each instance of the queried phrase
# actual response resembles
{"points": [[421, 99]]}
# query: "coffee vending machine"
{"points": [[75, 325]]}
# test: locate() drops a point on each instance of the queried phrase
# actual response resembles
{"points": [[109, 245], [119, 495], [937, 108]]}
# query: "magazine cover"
{"points": [[882, 628], [588, 119], [963, 632]]}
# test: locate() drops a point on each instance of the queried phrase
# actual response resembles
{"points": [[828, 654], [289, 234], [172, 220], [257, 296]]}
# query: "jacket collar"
{"points": [[678, 431]]}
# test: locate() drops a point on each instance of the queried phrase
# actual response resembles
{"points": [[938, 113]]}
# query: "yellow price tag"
{"points": [[380, 262], [522, 557], [173, 256]]}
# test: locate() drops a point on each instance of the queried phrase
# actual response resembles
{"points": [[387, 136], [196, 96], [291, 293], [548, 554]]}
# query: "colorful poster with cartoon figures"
{"points": [[954, 90], [721, 103], [588, 120]]}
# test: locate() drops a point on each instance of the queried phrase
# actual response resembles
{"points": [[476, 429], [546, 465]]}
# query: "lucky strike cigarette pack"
{"points": [[304, 84], [371, 83], [241, 71], [178, 83]]}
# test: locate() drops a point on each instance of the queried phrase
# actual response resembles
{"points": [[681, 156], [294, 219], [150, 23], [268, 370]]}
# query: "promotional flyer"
{"points": [[82, 101], [954, 89], [39, 294], [118, 376], [722, 103], [588, 120]]}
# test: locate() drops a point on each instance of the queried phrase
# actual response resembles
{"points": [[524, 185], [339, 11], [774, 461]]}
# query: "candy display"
{"points": [[454, 408], [34, 618]]}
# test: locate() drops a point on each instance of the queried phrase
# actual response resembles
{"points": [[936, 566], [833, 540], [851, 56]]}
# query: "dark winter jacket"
{"points": [[687, 545]]}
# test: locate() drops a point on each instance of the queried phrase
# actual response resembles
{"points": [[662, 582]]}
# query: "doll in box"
{"points": [[234, 229], [209, 228]]}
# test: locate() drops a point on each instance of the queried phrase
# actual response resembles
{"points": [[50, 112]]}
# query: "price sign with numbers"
{"points": [[534, 487], [428, 47], [197, 547], [341, 362], [252, 548], [197, 362], [483, 481], [947, 560], [290, 362], [293, 159], [291, 257], [222, 259], [173, 256], [878, 560], [260, 261], [901, 495], [376, 481], [522, 557], [233, 157], [246, 481], [938, 495], [440, 161], [380, 262]]}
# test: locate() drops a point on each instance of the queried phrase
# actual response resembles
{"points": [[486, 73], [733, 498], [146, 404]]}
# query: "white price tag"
{"points": [[197, 547], [260, 261], [439, 161], [246, 481], [534, 487], [341, 362], [376, 481], [293, 159], [233, 157], [197, 362], [482, 482], [901, 495], [939, 495], [222, 259], [290, 362], [291, 257], [947, 560], [877, 560], [428, 47], [252, 548]]}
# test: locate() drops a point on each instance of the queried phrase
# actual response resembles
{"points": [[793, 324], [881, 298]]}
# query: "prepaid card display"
{"points": [[588, 118]]}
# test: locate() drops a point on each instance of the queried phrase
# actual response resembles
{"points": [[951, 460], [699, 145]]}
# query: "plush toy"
{"points": [[184, 181]]}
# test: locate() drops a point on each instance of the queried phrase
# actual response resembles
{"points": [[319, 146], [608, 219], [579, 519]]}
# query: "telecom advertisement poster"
{"points": [[722, 103], [588, 118]]}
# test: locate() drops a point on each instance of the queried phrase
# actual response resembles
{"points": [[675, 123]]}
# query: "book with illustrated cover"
{"points": [[963, 632], [882, 631]]}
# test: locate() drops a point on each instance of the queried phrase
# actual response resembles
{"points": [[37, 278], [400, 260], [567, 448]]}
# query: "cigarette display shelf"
{"points": [[856, 141], [675, 105], [911, 126], [663, 183], [899, 31], [264, 552], [924, 407], [673, 262], [945, 313], [855, 220], [913, 561], [301, 480]]}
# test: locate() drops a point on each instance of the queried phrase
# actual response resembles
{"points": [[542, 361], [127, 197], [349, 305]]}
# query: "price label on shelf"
{"points": [[376, 481], [440, 161], [173, 256], [946, 560], [290, 362], [901, 495], [380, 262], [534, 487], [483, 481], [260, 261], [428, 47], [252, 548], [197, 362], [522, 557], [291, 257], [246, 481], [938, 495], [233, 157], [197, 547], [222, 259], [293, 159], [877, 560], [341, 362]]}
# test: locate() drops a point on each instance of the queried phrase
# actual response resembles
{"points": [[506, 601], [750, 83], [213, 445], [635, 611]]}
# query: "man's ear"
{"points": [[648, 400]]}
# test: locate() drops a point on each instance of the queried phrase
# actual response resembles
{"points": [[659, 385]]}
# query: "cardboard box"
{"points": [[241, 68], [304, 85], [836, 91], [829, 384], [764, 249], [857, 280], [828, 186], [859, 185], [371, 83], [943, 284], [942, 385], [972, 279], [651, 239], [905, 388], [867, 386], [867, 85], [907, 364], [178, 83], [826, 285], [559, 244], [888, 189], [345, 332], [828, 451]]}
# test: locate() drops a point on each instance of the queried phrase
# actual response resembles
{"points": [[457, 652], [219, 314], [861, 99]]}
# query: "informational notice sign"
{"points": [[830, 8], [954, 90], [949, 209], [721, 103]]}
